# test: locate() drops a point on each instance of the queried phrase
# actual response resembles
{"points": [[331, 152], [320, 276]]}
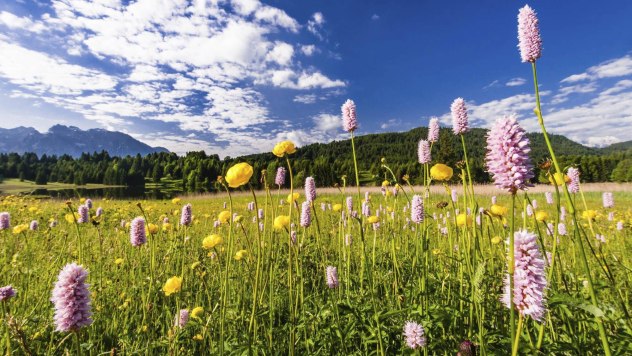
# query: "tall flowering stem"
{"points": [[289, 264], [228, 259]]}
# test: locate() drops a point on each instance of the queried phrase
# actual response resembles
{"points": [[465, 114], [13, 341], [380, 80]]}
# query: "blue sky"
{"points": [[236, 76]]}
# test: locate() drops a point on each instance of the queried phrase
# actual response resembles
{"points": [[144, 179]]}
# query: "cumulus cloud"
{"points": [[514, 82], [618, 67], [315, 25]]}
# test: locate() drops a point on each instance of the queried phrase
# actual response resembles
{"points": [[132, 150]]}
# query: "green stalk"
{"points": [[227, 272], [289, 263], [256, 287], [512, 312], [571, 208]]}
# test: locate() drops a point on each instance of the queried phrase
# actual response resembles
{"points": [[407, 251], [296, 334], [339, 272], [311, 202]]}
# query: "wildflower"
{"points": [[589, 215], [529, 280], [6, 293], [529, 210], [601, 238], [282, 148], [211, 241], [280, 176], [152, 228], [337, 207], [459, 116], [467, 348], [529, 40], [454, 195], [197, 312], [72, 299], [462, 220], [366, 209], [137, 232], [198, 337], [186, 217], [561, 229], [496, 240], [619, 225], [558, 178], [349, 121], [349, 202], [549, 197], [281, 222], [5, 221], [224, 217], [182, 318], [332, 277], [306, 214], [240, 174], [441, 172], [88, 203], [541, 215], [18, 229], [241, 254], [99, 211], [498, 210], [172, 285], [175, 200], [433, 130], [119, 261], [507, 156], [292, 197], [310, 189], [423, 152], [417, 209], [414, 334], [608, 200], [573, 175], [83, 214]]}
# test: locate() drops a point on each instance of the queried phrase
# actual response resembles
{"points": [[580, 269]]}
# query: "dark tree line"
{"points": [[198, 171]]}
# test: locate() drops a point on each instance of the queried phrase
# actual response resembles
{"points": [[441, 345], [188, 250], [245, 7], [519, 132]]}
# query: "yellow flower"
{"points": [[498, 210], [82, 200], [197, 312], [589, 215], [224, 216], [496, 240], [211, 241], [541, 215], [70, 218], [195, 264], [119, 261], [175, 200], [463, 219], [337, 207], [290, 196], [173, 285], [238, 218], [151, 228], [436, 251], [284, 147], [386, 183], [167, 227], [441, 172], [558, 178], [18, 229], [198, 337], [32, 209], [372, 219], [238, 174], [281, 221], [241, 254]]}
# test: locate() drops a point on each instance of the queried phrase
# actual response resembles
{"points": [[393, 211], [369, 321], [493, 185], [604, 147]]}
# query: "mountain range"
{"points": [[71, 140]]}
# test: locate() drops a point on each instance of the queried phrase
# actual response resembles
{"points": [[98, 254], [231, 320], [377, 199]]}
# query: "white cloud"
{"points": [[22, 23], [564, 92], [514, 82], [281, 53], [327, 122], [315, 25], [289, 79], [618, 67], [392, 124], [375, 17], [308, 50], [305, 99]]}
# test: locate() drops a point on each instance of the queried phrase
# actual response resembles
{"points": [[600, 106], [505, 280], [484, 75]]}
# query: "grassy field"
{"points": [[264, 290]]}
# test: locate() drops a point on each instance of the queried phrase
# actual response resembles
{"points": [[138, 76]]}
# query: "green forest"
{"points": [[327, 163]]}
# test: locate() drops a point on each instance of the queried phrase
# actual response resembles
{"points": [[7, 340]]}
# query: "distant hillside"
{"points": [[618, 147], [71, 140]]}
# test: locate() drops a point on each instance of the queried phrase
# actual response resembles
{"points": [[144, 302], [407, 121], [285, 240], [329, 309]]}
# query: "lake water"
{"points": [[113, 193]]}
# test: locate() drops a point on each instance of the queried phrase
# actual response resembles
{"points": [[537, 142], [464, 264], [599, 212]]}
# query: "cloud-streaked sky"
{"points": [[235, 76]]}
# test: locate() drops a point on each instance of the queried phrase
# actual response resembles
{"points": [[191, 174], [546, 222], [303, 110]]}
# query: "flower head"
{"points": [[349, 121], [463, 220], [498, 210], [239, 174], [306, 214], [417, 209], [281, 222], [72, 299], [433, 130], [332, 276], [137, 232], [241, 254], [187, 216], [529, 40], [573, 176], [172, 285], [83, 214], [423, 152], [414, 334], [529, 279], [284, 147], [6, 293], [292, 197], [211, 241], [5, 220], [280, 176], [459, 116], [223, 216], [441, 172], [507, 157], [310, 189], [608, 200], [18, 229], [558, 178], [182, 318]]}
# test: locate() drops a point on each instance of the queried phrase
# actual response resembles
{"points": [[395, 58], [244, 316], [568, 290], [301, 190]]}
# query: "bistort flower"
{"points": [[414, 334], [423, 152], [5, 221], [417, 209], [137, 232], [349, 121], [71, 298], [280, 176], [310, 189], [459, 116], [573, 176], [332, 276], [433, 130], [507, 157], [529, 40], [6, 293], [187, 215], [306, 214], [529, 280]]}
